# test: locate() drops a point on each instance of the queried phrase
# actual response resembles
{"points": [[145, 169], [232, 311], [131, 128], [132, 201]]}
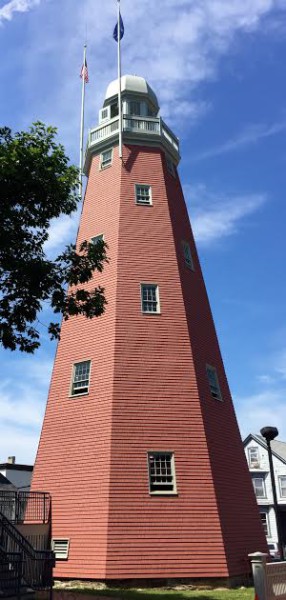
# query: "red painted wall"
{"points": [[148, 392]]}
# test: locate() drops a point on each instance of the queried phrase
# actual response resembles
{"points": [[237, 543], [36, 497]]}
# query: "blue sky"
{"points": [[218, 68]]}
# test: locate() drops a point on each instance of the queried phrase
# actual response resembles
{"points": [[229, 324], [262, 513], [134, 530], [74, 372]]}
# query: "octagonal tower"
{"points": [[140, 447]]}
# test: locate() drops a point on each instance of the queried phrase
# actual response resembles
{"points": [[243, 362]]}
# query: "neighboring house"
{"points": [[19, 475], [257, 457], [6, 485]]}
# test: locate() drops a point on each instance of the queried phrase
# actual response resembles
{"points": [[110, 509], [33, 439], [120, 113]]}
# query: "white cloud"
{"points": [[178, 46], [23, 394], [265, 378], [267, 407], [251, 135], [215, 216], [62, 232], [7, 11]]}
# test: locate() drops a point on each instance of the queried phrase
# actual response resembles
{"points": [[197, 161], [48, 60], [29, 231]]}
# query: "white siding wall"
{"points": [[265, 504]]}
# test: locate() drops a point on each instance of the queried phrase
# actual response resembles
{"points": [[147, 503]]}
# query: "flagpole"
{"points": [[82, 124], [119, 81]]}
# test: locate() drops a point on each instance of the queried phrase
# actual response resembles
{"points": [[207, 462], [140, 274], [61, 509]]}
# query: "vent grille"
{"points": [[61, 548]]}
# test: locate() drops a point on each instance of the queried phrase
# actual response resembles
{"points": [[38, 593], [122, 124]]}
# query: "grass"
{"points": [[157, 594]]}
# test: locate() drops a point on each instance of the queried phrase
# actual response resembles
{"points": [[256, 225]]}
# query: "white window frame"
{"points": [[98, 238], [103, 119], [78, 362], [267, 532], [63, 555], [253, 462], [280, 477], [170, 166], [216, 395], [162, 491], [188, 255], [143, 185], [263, 486], [158, 307], [109, 163]]}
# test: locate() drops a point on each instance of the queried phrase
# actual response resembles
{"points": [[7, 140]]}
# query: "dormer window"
{"points": [[253, 455]]}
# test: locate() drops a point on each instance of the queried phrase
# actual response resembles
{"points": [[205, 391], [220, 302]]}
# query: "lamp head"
{"points": [[269, 433]]}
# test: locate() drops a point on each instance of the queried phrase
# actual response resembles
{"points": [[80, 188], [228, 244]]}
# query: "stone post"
{"points": [[258, 562]]}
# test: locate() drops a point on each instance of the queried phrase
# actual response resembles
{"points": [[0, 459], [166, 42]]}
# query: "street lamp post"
{"points": [[269, 434]]}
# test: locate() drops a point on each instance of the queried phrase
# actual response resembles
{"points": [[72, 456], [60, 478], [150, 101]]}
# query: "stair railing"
{"points": [[37, 567]]}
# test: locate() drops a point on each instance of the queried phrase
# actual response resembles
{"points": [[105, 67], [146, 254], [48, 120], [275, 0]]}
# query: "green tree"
{"points": [[37, 184]]}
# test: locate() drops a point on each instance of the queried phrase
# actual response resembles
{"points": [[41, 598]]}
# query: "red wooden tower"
{"points": [[140, 447]]}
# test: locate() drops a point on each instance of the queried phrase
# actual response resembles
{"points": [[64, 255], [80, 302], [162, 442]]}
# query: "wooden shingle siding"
{"points": [[148, 392]]}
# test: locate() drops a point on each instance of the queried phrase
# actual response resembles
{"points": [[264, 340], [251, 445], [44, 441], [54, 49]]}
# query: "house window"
{"points": [[61, 548], [106, 158], [170, 166], [264, 521], [253, 456], [213, 382], [143, 194], [80, 378], [188, 255], [97, 238], [282, 486], [150, 298], [134, 108], [259, 488], [161, 473]]}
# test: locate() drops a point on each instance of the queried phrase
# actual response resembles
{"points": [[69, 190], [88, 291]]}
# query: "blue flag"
{"points": [[115, 32]]}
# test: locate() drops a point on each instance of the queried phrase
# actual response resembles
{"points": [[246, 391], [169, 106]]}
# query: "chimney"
{"points": [[11, 460]]}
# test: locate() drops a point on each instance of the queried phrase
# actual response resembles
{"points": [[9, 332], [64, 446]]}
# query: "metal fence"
{"points": [[10, 574], [37, 565], [26, 507]]}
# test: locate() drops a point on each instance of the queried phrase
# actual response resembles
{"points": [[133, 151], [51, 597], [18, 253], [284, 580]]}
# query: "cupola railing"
{"points": [[149, 126]]}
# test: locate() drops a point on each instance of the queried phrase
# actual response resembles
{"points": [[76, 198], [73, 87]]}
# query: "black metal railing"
{"points": [[10, 574], [37, 565], [26, 507]]}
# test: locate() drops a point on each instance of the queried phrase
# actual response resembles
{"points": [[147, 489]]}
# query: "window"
{"points": [[61, 548], [150, 298], [134, 108], [104, 114], [143, 194], [253, 456], [97, 238], [161, 473], [170, 166], [80, 378], [213, 382], [114, 110], [106, 158], [264, 521], [282, 486], [258, 484], [188, 255]]}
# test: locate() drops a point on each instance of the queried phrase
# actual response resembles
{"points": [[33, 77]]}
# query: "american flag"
{"points": [[84, 72]]}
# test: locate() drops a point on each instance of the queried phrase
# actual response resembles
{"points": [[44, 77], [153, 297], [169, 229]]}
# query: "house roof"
{"points": [[15, 467], [278, 448], [4, 480]]}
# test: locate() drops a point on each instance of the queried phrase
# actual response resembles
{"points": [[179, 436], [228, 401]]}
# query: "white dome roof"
{"points": [[134, 84]]}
